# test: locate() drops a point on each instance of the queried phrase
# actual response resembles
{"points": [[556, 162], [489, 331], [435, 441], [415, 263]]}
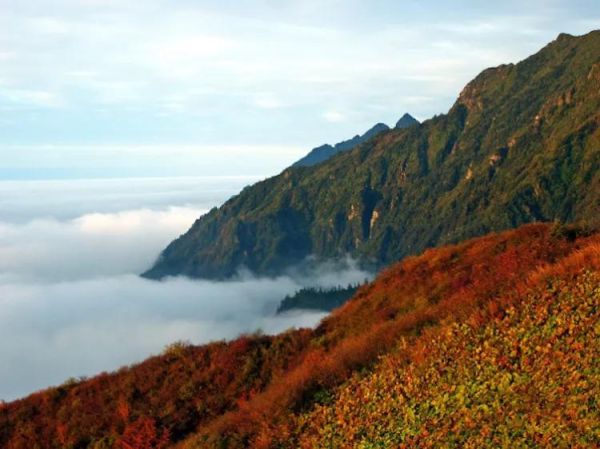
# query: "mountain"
{"points": [[521, 144], [324, 152], [406, 121], [489, 343]]}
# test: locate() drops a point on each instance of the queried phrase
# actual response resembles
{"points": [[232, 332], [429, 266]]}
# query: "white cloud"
{"points": [[267, 101], [188, 49], [97, 244], [334, 116], [38, 98], [48, 25]]}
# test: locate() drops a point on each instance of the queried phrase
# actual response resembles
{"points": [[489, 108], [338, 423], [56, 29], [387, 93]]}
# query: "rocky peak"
{"points": [[406, 121]]}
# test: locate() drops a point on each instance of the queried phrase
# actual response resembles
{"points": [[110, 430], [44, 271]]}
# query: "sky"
{"points": [[118, 88]]}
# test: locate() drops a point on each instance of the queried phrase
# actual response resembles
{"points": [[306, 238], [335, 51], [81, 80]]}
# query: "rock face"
{"points": [[521, 144], [324, 152]]}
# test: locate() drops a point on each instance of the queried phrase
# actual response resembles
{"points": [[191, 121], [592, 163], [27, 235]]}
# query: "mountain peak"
{"points": [[378, 128], [564, 36], [406, 121]]}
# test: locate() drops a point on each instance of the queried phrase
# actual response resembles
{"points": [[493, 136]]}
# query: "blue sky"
{"points": [[91, 88]]}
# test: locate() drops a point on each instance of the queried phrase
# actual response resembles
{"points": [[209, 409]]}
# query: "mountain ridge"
{"points": [[326, 151]]}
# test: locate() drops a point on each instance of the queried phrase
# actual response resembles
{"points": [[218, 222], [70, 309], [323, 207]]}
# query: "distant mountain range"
{"points": [[521, 144], [324, 152]]}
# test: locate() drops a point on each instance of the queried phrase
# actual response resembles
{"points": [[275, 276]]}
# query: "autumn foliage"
{"points": [[143, 434], [184, 387], [471, 345], [528, 377]]}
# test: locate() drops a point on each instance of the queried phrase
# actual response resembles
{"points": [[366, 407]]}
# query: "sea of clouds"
{"points": [[71, 300]]}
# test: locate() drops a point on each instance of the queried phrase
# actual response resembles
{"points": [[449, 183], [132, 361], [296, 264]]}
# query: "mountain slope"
{"points": [[529, 378], [324, 152], [521, 144], [262, 391]]}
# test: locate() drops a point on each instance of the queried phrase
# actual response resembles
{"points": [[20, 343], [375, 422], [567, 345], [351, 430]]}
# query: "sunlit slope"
{"points": [[528, 376], [426, 316], [521, 144]]}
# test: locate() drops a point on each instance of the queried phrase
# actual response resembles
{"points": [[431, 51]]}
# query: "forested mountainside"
{"points": [[521, 144], [491, 341]]}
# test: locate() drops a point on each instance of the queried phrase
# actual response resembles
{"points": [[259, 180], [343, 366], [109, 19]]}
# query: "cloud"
{"points": [[72, 304], [39, 98], [48, 25], [267, 101], [188, 49], [97, 244], [334, 116]]}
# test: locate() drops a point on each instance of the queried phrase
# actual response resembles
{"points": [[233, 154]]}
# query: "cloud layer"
{"points": [[71, 302], [52, 331]]}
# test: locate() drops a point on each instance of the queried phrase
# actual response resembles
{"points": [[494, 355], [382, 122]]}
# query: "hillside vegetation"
{"points": [[521, 144], [529, 377], [471, 345]]}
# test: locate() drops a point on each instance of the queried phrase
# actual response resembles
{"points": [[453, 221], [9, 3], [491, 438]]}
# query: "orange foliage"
{"points": [[123, 410], [143, 434], [62, 435]]}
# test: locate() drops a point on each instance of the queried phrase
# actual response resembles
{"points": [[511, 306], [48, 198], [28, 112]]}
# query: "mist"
{"points": [[72, 303]]}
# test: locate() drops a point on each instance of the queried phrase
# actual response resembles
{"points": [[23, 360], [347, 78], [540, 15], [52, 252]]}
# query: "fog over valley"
{"points": [[71, 301]]}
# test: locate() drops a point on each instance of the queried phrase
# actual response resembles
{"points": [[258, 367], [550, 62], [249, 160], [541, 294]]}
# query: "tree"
{"points": [[143, 434]]}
